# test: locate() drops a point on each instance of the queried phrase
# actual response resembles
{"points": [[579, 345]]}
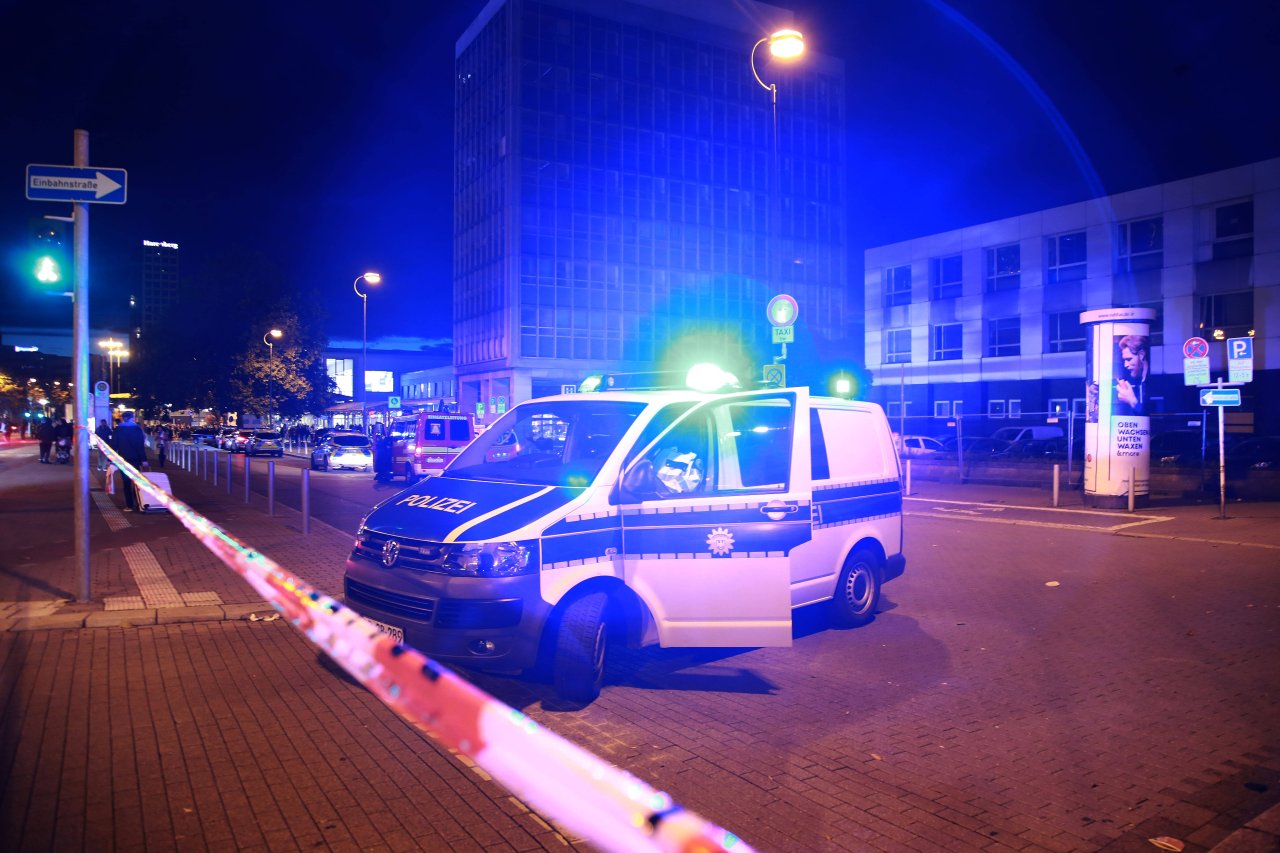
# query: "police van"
{"points": [[675, 517], [422, 445]]}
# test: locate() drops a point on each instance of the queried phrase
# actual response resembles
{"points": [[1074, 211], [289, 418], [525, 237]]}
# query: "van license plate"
{"points": [[396, 634]]}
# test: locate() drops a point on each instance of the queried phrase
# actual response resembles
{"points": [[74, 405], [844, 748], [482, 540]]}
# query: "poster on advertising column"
{"points": [[1117, 448]]}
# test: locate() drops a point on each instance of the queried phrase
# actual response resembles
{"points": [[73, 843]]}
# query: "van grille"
{"points": [[420, 556], [448, 613]]}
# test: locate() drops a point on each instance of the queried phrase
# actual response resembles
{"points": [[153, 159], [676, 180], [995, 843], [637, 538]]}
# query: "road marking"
{"points": [[115, 518], [156, 588]]}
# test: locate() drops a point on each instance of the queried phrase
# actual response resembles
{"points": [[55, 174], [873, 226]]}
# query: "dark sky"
{"points": [[319, 135]]}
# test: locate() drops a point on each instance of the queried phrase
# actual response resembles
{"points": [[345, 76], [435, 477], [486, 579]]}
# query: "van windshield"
{"points": [[563, 443]]}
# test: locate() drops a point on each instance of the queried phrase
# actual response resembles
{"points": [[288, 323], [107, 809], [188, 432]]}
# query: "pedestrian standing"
{"points": [[45, 433], [103, 432], [129, 441], [162, 441]]}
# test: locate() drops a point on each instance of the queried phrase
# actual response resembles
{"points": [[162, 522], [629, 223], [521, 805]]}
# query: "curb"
{"points": [[1260, 835], [144, 616]]}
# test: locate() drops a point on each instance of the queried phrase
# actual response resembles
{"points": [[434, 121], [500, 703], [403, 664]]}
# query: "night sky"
{"points": [[320, 135]]}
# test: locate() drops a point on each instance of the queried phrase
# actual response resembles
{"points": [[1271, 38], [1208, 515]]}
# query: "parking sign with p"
{"points": [[1240, 359]]}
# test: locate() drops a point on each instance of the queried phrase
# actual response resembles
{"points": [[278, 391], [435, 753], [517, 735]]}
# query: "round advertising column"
{"points": [[1117, 429]]}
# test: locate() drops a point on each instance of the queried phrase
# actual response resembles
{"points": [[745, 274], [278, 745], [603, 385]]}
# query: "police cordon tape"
{"points": [[609, 807]]}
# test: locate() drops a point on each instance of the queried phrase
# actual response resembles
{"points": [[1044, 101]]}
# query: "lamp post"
{"points": [[271, 365], [784, 45], [371, 278]]}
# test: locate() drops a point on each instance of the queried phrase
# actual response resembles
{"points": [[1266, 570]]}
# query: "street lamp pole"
{"points": [[271, 366], [784, 44], [371, 278]]}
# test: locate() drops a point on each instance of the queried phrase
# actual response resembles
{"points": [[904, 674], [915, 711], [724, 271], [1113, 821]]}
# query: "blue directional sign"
{"points": [[1219, 396], [92, 184]]}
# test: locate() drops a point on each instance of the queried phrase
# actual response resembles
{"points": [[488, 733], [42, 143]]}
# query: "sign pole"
{"points": [[1222, 460], [83, 410]]}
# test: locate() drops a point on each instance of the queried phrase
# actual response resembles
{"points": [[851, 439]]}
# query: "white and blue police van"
{"points": [[675, 517]]}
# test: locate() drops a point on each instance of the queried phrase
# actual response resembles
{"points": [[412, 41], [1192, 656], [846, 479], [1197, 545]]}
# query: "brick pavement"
{"points": [[1092, 716]]}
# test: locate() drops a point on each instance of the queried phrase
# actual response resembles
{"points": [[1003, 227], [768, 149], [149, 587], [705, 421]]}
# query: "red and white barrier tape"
{"points": [[605, 805]]}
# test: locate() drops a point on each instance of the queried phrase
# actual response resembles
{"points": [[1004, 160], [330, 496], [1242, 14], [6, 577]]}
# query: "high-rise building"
{"points": [[612, 193], [159, 284]]}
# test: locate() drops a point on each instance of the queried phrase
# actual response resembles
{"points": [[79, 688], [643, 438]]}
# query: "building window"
{"points": [[1078, 407], [897, 286], [1140, 245], [1065, 332], [1004, 336], [948, 339], [942, 408], [895, 409], [1157, 325], [1004, 267], [1233, 231], [1015, 408], [1226, 315], [995, 408], [1065, 257], [946, 277], [1058, 406], [897, 346]]}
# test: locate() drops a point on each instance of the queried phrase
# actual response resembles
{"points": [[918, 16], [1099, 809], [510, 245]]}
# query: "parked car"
{"points": [[919, 445], [1256, 453], [227, 438], [207, 436], [264, 442], [343, 450], [1023, 433], [975, 448]]}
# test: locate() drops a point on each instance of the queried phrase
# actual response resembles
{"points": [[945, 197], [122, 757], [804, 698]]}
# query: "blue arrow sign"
{"points": [[76, 184], [1219, 396]]}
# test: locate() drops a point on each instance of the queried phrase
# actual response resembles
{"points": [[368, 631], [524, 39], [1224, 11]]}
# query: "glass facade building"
{"points": [[613, 188]]}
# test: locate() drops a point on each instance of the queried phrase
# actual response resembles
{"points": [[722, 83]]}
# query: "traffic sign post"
{"points": [[1240, 359], [1195, 362], [1220, 396], [781, 312], [77, 184]]}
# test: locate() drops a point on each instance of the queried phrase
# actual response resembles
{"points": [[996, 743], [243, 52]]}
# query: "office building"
{"points": [[159, 289], [985, 320], [612, 193]]}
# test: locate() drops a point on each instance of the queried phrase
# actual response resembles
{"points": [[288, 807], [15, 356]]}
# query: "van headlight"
{"points": [[489, 559]]}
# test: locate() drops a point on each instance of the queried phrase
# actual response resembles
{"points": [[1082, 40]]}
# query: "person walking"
{"points": [[103, 432], [45, 433], [128, 440]]}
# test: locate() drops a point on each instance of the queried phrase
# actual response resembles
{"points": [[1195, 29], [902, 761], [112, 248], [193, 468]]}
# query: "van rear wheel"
{"points": [[857, 591], [582, 645]]}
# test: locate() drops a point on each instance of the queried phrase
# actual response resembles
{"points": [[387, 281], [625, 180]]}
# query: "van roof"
{"points": [[680, 395]]}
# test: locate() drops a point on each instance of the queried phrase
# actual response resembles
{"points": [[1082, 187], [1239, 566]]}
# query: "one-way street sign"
{"points": [[92, 184], [1219, 396]]}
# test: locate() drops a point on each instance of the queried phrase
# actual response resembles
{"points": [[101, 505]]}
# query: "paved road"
{"points": [[1038, 680]]}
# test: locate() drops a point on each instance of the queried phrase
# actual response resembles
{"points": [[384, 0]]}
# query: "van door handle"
{"points": [[778, 510]]}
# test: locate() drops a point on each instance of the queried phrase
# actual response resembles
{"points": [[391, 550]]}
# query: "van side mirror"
{"points": [[639, 483]]}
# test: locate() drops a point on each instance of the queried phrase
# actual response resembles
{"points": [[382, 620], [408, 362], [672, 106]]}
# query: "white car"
{"points": [[343, 450], [919, 445]]}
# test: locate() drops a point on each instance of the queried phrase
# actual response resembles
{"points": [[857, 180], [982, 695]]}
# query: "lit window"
{"points": [[1004, 267], [1226, 315]]}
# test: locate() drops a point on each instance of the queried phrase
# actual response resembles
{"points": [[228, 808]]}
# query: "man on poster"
{"points": [[1131, 376]]}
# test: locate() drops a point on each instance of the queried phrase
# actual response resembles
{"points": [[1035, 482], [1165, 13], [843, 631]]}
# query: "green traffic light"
{"points": [[48, 271]]}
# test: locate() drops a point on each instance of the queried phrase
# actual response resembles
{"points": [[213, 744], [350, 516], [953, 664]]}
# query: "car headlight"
{"points": [[489, 559]]}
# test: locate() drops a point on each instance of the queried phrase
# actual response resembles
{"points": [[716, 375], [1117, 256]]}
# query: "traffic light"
{"points": [[51, 251]]}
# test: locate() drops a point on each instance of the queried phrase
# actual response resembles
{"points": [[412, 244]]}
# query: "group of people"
{"points": [[49, 432]]}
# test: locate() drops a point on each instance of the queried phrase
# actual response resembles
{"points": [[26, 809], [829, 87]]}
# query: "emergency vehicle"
{"points": [[580, 521], [424, 444]]}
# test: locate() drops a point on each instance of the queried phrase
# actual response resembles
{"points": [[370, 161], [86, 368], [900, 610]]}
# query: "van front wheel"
{"points": [[857, 591], [581, 647]]}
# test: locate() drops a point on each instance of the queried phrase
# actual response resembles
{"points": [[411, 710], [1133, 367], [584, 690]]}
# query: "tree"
{"points": [[289, 377]]}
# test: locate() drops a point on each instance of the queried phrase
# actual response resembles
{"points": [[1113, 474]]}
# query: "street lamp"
{"points": [[271, 363], [784, 45], [110, 345], [371, 278]]}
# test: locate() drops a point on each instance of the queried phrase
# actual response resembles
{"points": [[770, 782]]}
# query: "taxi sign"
{"points": [[784, 334]]}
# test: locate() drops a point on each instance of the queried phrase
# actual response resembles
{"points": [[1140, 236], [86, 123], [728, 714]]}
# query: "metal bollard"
{"points": [[306, 500], [228, 473], [1133, 488], [215, 466], [908, 490], [246, 478], [1056, 466], [271, 487]]}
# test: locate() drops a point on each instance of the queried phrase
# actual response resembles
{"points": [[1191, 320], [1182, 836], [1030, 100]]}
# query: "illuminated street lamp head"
{"points": [[786, 44], [110, 343], [276, 333], [373, 277]]}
